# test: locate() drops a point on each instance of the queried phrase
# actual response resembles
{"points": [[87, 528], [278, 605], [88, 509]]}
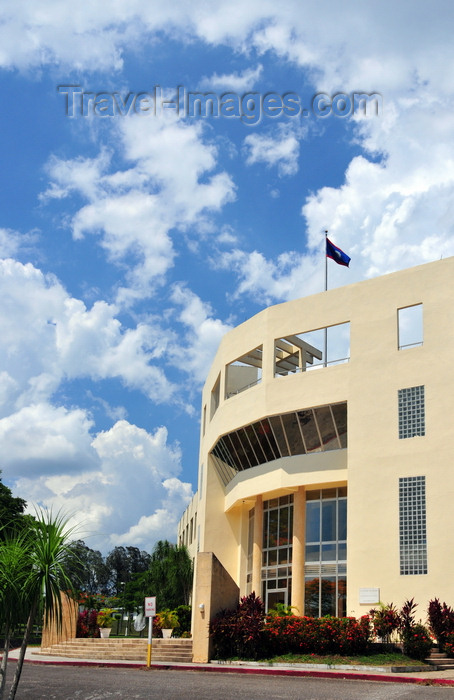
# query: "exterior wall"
{"points": [[375, 458], [215, 590], [188, 528]]}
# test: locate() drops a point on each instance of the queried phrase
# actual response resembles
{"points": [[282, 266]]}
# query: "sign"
{"points": [[150, 606], [369, 596]]}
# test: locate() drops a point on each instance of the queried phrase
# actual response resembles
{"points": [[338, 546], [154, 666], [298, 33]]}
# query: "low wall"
{"points": [[52, 634], [214, 590]]}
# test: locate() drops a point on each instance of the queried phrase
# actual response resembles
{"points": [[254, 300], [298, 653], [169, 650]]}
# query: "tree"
{"points": [[45, 553], [14, 561], [123, 563], [11, 510], [169, 577], [87, 569]]}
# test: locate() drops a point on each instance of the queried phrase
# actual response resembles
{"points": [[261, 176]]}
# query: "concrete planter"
{"points": [[104, 632]]}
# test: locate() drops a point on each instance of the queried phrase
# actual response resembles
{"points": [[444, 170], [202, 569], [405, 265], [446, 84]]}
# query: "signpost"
{"points": [[150, 612]]}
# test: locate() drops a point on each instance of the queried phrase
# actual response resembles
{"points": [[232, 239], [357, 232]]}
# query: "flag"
{"points": [[336, 254]]}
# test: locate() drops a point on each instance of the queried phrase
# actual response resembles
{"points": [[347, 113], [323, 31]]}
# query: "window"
{"points": [[244, 372], [410, 327], [302, 432], [411, 412], [412, 525], [315, 349], [277, 551], [200, 479], [215, 394], [326, 553]]}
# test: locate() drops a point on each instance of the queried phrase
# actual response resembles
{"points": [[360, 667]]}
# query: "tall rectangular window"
{"points": [[277, 551], [412, 419], [410, 326], [412, 525], [215, 395], [325, 565]]}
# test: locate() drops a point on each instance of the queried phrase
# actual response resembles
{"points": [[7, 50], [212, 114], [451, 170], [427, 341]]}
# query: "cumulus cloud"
{"points": [[289, 276], [145, 510], [203, 333], [10, 243], [238, 82], [43, 439], [280, 149], [135, 210], [49, 336]]}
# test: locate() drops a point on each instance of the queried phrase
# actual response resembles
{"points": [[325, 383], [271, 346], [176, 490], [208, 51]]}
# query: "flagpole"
{"points": [[325, 348], [326, 264]]}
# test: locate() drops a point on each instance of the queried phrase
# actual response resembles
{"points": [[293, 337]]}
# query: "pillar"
{"points": [[299, 539], [257, 547]]}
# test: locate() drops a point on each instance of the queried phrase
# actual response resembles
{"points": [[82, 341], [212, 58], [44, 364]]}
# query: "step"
{"points": [[172, 650], [164, 650], [118, 649], [441, 662]]}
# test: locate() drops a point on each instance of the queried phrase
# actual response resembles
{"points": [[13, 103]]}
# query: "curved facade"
{"points": [[324, 454]]}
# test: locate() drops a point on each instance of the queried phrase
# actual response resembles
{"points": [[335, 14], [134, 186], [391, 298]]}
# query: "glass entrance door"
{"points": [[275, 597]]}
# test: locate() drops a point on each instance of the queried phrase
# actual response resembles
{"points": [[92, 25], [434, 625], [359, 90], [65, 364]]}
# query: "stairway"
{"points": [[162, 650], [440, 660], [172, 650], [103, 649]]}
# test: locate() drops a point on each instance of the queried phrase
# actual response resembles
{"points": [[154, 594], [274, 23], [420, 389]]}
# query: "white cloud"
{"points": [[203, 334], [10, 243], [232, 82], [290, 276], [135, 210], [280, 150], [131, 488], [49, 336], [42, 439]]}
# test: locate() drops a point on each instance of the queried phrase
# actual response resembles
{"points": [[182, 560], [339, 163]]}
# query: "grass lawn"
{"points": [[383, 659]]}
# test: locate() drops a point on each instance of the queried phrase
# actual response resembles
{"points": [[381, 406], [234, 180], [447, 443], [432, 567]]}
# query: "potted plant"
{"points": [[168, 620], [105, 622]]}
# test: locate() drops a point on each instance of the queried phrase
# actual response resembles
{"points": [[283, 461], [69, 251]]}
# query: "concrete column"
{"points": [[299, 538], [257, 547]]}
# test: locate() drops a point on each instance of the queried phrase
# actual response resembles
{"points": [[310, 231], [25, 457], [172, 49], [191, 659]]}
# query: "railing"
{"points": [[411, 345], [309, 368], [243, 388]]}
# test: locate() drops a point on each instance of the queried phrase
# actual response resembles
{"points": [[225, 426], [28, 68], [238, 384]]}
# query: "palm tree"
{"points": [[14, 562], [46, 580]]}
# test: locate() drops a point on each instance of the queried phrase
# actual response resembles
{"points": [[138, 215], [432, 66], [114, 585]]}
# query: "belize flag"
{"points": [[336, 254]]}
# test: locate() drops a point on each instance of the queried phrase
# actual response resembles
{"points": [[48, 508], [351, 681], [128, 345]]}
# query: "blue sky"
{"points": [[130, 244]]}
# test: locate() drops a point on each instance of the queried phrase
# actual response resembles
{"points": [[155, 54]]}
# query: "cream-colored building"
{"points": [[326, 479]]}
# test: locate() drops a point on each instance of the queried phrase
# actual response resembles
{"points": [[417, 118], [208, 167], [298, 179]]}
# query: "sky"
{"points": [[134, 233]]}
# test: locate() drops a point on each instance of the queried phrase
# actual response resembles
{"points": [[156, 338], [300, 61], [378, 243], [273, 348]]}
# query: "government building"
{"points": [[326, 478]]}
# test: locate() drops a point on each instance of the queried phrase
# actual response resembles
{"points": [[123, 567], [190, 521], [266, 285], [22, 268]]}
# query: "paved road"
{"points": [[49, 682]]}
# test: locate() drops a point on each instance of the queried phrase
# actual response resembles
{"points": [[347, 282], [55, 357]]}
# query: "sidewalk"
{"points": [[445, 678]]}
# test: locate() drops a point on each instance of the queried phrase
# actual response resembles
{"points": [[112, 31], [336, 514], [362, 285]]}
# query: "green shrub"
{"points": [[184, 613], [385, 620], [417, 642], [449, 645]]}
